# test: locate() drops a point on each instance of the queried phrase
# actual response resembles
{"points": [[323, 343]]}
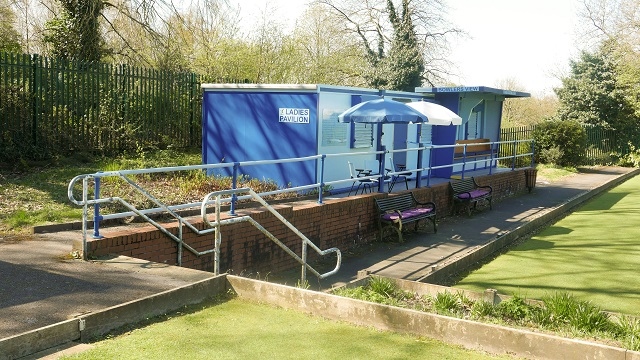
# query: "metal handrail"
{"points": [[305, 241], [85, 203], [318, 186], [214, 227]]}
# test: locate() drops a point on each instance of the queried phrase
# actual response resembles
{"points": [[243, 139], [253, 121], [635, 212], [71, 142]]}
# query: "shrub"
{"points": [[446, 303], [558, 312], [631, 159], [379, 290], [481, 309], [561, 141], [551, 156], [514, 309]]}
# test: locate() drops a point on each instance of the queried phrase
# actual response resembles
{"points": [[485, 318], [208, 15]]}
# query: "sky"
{"points": [[530, 41], [527, 41]]}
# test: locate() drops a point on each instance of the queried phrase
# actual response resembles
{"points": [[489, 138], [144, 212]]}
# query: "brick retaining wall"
{"points": [[343, 223]]}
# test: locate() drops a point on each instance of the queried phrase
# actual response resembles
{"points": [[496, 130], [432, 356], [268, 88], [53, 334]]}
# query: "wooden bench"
{"points": [[467, 191], [476, 148], [403, 209]]}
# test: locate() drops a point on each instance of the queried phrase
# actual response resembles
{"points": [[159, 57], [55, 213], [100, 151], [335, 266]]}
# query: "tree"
{"points": [[382, 34], [9, 37], [560, 142], [140, 31], [75, 33], [592, 94], [327, 55], [190, 38], [603, 20], [525, 111], [404, 62]]}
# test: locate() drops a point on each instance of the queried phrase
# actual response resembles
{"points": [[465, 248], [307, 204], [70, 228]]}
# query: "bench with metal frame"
{"points": [[398, 210], [467, 191]]}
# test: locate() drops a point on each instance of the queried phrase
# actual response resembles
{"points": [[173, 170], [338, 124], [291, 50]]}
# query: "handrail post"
{"points": [[419, 172], [429, 164], [303, 276], [320, 190], [464, 160], [218, 240], [490, 158], [234, 185], [96, 210], [180, 242], [85, 215]]}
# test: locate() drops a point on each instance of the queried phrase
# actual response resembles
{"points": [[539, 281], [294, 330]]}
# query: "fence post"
{"points": [[192, 84], [35, 84], [515, 149]]}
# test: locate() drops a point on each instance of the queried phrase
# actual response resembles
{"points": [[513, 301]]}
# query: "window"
{"points": [[426, 133], [362, 135]]}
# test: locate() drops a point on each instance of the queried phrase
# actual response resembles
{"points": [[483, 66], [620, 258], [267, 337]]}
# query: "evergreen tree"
{"points": [[592, 93], [75, 34], [405, 62], [402, 66]]}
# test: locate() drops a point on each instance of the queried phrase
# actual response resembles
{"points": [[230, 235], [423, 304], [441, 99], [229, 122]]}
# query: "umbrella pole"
{"points": [[419, 173], [380, 147]]}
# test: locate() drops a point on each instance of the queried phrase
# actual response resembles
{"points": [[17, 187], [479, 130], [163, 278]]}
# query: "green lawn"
{"points": [[238, 329], [594, 254]]}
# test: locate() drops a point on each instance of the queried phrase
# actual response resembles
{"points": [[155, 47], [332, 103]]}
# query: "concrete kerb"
{"points": [[445, 271], [473, 335], [470, 334]]}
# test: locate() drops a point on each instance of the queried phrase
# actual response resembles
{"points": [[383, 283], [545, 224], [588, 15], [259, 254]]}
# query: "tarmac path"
{"points": [[40, 284]]}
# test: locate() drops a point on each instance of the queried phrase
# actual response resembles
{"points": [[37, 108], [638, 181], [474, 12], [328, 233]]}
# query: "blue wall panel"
{"points": [[246, 126], [445, 135]]}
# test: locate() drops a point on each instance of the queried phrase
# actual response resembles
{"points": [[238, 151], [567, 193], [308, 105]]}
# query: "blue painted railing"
{"points": [[319, 187]]}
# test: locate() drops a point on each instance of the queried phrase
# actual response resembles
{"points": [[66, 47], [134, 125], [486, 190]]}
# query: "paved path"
{"points": [[459, 235], [40, 285]]}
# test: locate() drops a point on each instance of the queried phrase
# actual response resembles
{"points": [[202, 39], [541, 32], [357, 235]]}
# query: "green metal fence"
{"points": [[51, 106], [55, 107], [506, 150], [603, 145]]}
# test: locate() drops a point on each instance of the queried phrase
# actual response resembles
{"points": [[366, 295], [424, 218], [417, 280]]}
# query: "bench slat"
{"points": [[473, 146]]}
